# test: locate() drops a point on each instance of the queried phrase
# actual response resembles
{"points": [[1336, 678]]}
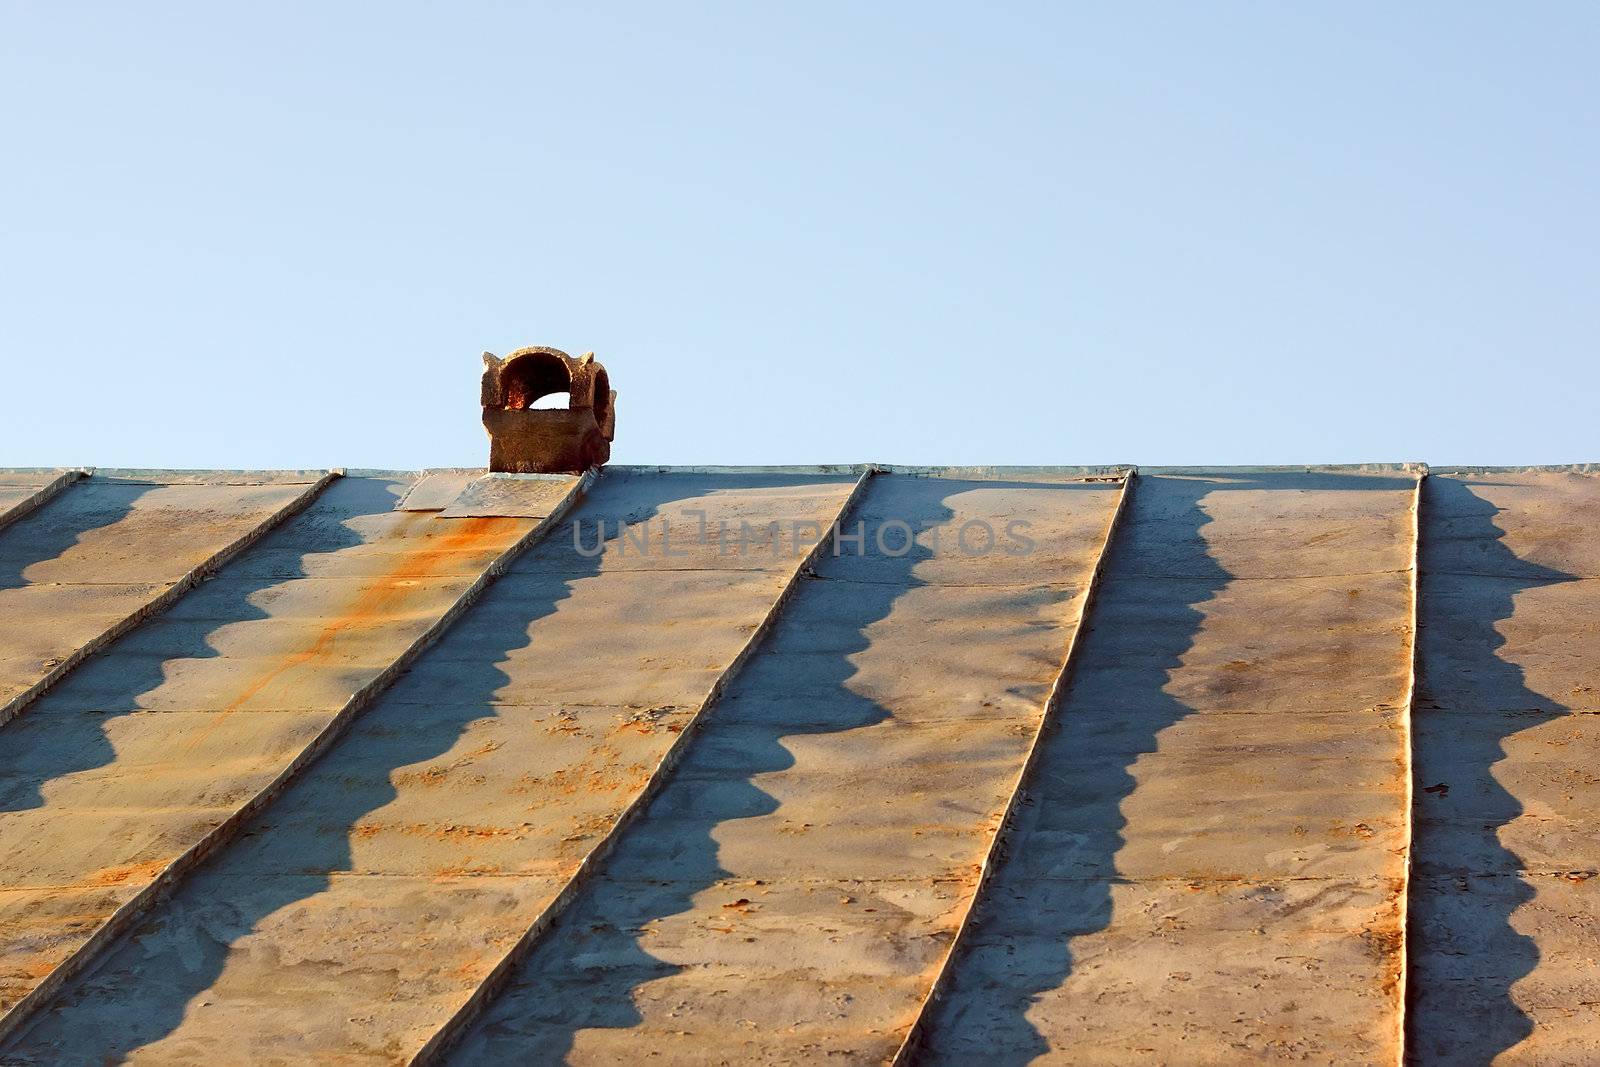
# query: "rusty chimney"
{"points": [[528, 440]]}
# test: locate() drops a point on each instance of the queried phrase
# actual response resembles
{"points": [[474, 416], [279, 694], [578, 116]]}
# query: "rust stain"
{"points": [[1387, 939], [430, 777], [377, 601], [143, 872], [40, 968], [436, 831]]}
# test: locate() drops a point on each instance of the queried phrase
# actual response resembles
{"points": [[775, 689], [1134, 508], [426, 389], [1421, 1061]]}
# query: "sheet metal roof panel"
{"points": [[46, 623], [1282, 525], [111, 533], [43, 927], [998, 531], [207, 768], [494, 495], [21, 492], [1329, 647], [623, 638], [827, 816], [1005, 615], [423, 944], [763, 812], [93, 819], [483, 783], [652, 523], [436, 490], [1506, 747], [1266, 607], [90, 564], [523, 792], [1548, 631], [1522, 988], [1533, 812], [1516, 525], [774, 980], [1217, 811], [1113, 855], [293, 647], [374, 542], [1211, 975]]}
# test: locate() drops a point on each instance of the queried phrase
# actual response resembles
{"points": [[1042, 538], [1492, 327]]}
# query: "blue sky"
{"points": [[280, 235]]}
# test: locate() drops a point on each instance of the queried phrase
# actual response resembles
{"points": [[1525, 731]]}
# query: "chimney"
{"points": [[528, 440]]}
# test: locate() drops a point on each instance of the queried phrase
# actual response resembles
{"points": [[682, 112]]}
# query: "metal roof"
{"points": [[732, 765]]}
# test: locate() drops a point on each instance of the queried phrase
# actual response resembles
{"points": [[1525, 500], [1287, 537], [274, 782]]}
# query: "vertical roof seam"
{"points": [[493, 983], [1408, 754], [917, 1032]]}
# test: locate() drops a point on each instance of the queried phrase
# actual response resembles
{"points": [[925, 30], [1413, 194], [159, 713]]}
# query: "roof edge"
{"points": [[1548, 468]]}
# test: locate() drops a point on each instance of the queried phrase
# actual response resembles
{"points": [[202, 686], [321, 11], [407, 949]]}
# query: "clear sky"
{"points": [[281, 234]]}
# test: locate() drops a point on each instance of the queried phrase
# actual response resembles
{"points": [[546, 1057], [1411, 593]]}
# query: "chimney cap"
{"points": [[524, 439]]}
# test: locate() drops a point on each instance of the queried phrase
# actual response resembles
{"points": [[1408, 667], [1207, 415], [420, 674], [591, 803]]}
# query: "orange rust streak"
{"points": [[377, 602], [141, 872]]}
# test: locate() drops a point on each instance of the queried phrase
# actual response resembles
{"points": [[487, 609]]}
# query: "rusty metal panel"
{"points": [[90, 564], [136, 760], [1208, 864], [790, 893], [396, 872], [1505, 903]]}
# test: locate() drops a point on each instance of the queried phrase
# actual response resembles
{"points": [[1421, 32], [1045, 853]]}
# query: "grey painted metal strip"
{"points": [[10, 471], [1411, 467], [453, 1028], [1551, 468], [913, 1039], [978, 471], [169, 877], [28, 505], [164, 600], [1408, 751], [157, 476], [800, 468]]}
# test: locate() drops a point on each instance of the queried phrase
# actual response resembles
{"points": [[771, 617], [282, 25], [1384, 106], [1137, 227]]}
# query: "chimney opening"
{"points": [[528, 380]]}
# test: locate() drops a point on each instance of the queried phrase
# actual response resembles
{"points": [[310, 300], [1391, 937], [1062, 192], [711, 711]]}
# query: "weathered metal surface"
{"points": [[22, 492], [1208, 862], [915, 1036], [790, 893], [436, 490], [392, 876], [505, 494], [1505, 908], [91, 564], [123, 775], [1206, 866]]}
